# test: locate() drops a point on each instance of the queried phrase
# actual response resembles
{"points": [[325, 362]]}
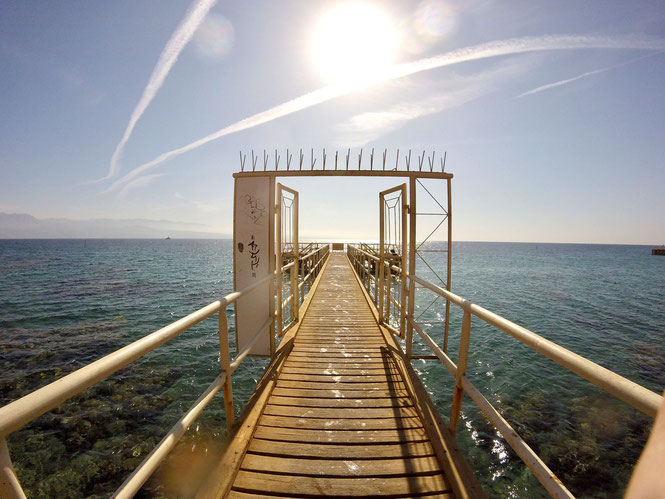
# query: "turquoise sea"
{"points": [[65, 303]]}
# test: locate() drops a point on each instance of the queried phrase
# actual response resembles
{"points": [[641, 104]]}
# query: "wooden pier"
{"points": [[339, 413]]}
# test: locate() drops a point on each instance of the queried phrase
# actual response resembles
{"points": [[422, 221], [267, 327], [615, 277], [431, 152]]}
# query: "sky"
{"points": [[552, 114]]}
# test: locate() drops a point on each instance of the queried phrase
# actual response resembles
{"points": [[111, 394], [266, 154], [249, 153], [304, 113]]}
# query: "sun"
{"points": [[353, 42]]}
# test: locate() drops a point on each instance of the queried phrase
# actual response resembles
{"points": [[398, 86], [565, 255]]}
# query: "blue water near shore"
{"points": [[65, 303]]}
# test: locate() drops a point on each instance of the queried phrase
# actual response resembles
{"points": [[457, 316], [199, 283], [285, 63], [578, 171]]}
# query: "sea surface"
{"points": [[65, 303]]}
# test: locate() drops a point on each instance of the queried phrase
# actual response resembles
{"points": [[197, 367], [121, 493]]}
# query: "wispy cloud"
{"points": [[583, 75], [458, 90], [199, 205], [139, 182], [179, 39], [476, 52]]}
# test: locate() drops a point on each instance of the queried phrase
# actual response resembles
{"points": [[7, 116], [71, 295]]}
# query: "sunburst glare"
{"points": [[352, 42]]}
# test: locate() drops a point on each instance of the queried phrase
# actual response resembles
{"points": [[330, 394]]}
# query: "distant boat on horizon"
{"points": [[168, 237]]}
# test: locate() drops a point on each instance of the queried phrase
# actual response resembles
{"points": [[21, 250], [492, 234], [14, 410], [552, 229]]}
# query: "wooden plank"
{"points": [[334, 371], [325, 378], [361, 349], [360, 332], [339, 413], [326, 364], [387, 436], [336, 358], [395, 385], [336, 394], [341, 402], [250, 482], [342, 468], [340, 424], [338, 341], [340, 451]]}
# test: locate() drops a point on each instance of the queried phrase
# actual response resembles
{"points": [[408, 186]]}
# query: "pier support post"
{"points": [[225, 361], [461, 371]]}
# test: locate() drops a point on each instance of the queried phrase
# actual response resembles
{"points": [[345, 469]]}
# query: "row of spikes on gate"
{"points": [[289, 157]]}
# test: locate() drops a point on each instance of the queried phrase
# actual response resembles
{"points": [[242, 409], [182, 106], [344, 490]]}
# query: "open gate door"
{"points": [[287, 253], [392, 258], [253, 218]]}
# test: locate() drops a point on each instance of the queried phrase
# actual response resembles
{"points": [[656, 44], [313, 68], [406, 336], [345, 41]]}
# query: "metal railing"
{"points": [[383, 284], [17, 414], [630, 392], [302, 271]]}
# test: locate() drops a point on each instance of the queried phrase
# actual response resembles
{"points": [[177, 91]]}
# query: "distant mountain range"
{"points": [[24, 226]]}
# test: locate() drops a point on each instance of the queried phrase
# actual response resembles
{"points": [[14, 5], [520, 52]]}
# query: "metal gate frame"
{"points": [[384, 291], [278, 257]]}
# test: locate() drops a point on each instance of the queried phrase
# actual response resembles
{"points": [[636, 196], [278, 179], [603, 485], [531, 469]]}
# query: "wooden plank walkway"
{"points": [[340, 419]]}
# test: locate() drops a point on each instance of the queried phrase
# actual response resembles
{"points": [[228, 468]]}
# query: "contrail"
{"points": [[483, 51], [139, 182], [583, 75], [180, 37]]}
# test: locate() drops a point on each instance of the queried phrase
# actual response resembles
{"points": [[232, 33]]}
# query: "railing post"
{"points": [[295, 306], [10, 487], [294, 288], [411, 303], [376, 283], [301, 294], [402, 274], [382, 272], [389, 282], [278, 262], [225, 361], [448, 267], [461, 371]]}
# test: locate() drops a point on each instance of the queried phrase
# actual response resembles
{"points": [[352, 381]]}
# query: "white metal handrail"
{"points": [[522, 449], [630, 392]]}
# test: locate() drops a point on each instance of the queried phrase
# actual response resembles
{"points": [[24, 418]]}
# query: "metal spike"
{"points": [[265, 160], [336, 153], [360, 158], [371, 160], [302, 156], [397, 160], [288, 159], [242, 163]]}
